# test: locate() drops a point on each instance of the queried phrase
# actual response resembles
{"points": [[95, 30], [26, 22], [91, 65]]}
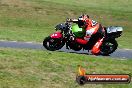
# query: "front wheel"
{"points": [[53, 44], [108, 47]]}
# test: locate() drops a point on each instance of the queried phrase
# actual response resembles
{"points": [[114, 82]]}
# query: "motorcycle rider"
{"points": [[94, 33]]}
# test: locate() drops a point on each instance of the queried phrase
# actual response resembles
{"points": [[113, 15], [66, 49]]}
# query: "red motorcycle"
{"points": [[66, 34]]}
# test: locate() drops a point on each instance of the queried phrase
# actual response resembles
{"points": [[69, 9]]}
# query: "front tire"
{"points": [[53, 44], [108, 47]]}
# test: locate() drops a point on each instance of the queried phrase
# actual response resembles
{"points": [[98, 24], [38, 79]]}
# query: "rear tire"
{"points": [[53, 44], [107, 49]]}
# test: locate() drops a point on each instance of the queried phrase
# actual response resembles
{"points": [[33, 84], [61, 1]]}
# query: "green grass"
{"points": [[21, 68], [32, 20]]}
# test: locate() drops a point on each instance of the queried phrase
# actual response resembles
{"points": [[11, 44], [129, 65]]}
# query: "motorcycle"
{"points": [[67, 32]]}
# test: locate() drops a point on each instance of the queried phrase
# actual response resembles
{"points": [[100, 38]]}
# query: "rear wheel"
{"points": [[108, 47], [53, 44]]}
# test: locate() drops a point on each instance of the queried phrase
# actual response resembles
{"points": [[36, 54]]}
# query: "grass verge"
{"points": [[22, 68]]}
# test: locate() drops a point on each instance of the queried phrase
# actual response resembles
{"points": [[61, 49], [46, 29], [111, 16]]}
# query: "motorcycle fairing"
{"points": [[78, 32], [56, 35], [81, 41]]}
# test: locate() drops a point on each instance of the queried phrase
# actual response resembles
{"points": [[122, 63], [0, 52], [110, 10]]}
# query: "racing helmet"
{"points": [[82, 20]]}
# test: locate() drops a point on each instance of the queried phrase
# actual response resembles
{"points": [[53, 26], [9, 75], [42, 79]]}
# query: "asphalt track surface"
{"points": [[119, 53]]}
